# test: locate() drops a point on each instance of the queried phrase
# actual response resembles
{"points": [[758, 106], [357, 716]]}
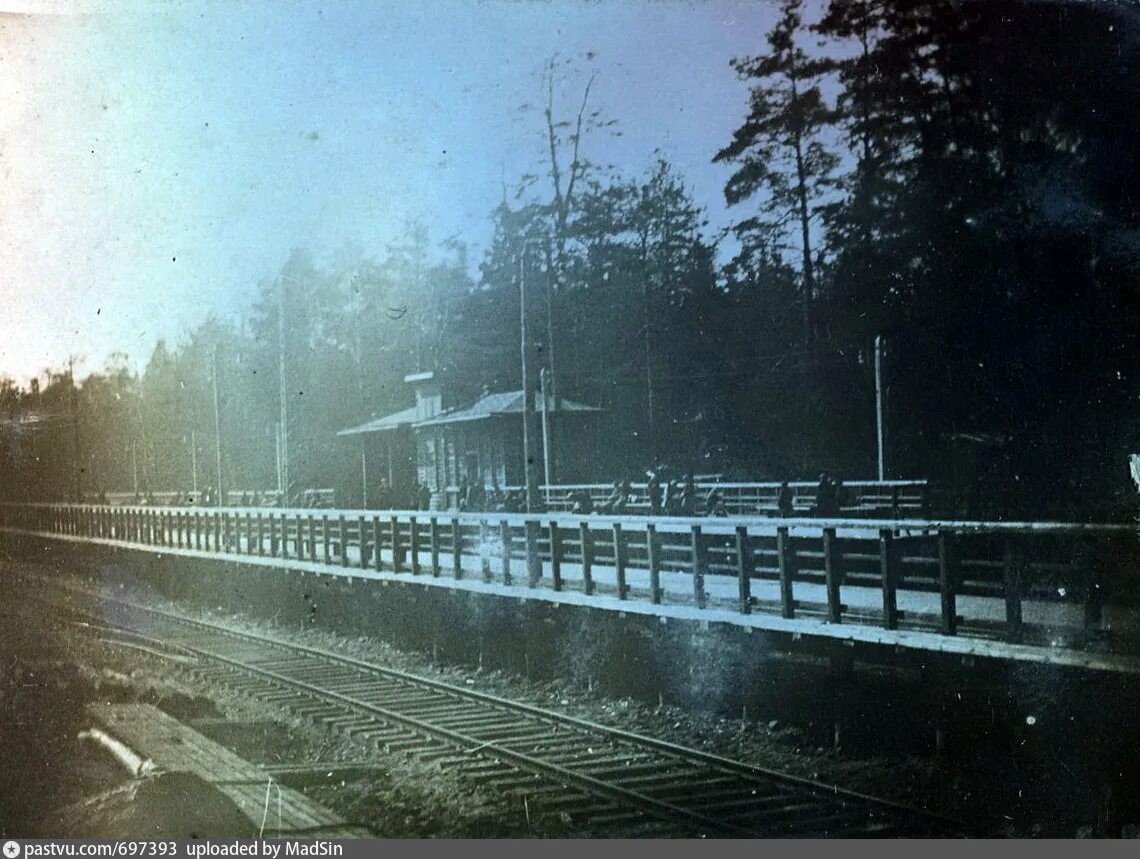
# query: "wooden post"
{"points": [[312, 536], [888, 568], [698, 562], [325, 538], [555, 554], [342, 540], [377, 534], [433, 537], [1012, 577], [619, 561], [833, 575], [414, 545], [456, 549], [786, 556], [947, 582], [505, 542], [362, 540], [653, 552], [217, 530], [484, 558], [533, 558], [744, 567], [587, 558], [397, 559], [260, 533]]}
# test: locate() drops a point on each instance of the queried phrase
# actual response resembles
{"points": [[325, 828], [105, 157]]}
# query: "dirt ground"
{"points": [[1024, 782]]}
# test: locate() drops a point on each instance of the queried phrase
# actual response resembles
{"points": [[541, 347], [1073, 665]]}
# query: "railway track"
{"points": [[589, 776]]}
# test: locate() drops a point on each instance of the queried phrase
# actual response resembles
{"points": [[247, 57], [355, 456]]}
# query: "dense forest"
{"points": [[961, 180]]}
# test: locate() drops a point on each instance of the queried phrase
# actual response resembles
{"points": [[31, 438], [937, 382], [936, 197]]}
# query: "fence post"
{"points": [[484, 557], [325, 537], [744, 568], [377, 535], [555, 555], [414, 545], [698, 562], [786, 556], [433, 537], [397, 558], [1012, 591], [260, 533], [456, 549], [217, 530], [888, 568], [833, 575], [312, 536], [533, 559], [342, 540], [505, 542], [948, 582], [587, 551], [619, 561], [654, 553]]}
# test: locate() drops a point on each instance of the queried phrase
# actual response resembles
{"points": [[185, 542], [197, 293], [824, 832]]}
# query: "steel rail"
{"points": [[527, 762]]}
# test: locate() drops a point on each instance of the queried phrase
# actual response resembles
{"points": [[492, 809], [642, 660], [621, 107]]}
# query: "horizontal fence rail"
{"points": [[858, 496], [1032, 582]]}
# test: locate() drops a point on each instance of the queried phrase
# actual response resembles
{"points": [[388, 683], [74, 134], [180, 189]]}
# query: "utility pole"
{"points": [[74, 430], [880, 431], [283, 438], [547, 454], [528, 405], [194, 461], [218, 432]]}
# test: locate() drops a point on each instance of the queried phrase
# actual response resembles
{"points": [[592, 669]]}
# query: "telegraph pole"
{"points": [[528, 405], [218, 431], [547, 455], [880, 432], [74, 430], [283, 438], [194, 461]]}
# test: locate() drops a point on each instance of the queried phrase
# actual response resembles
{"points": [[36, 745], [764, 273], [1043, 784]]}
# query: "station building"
{"points": [[479, 443]]}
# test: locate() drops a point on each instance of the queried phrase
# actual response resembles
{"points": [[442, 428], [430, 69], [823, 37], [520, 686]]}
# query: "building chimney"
{"points": [[429, 397]]}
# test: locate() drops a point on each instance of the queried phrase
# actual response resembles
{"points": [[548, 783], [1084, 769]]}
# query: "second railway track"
{"points": [[601, 778]]}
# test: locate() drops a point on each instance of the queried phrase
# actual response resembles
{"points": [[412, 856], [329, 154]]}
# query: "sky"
{"points": [[161, 159]]}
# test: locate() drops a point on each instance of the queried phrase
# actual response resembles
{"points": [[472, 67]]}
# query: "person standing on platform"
{"points": [[654, 490], [785, 500]]}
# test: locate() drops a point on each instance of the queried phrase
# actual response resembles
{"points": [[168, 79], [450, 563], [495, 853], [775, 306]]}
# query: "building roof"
{"points": [[403, 418], [494, 405]]}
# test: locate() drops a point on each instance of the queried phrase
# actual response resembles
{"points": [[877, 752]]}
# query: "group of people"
{"points": [[828, 495], [682, 498], [414, 497], [477, 498], [666, 498]]}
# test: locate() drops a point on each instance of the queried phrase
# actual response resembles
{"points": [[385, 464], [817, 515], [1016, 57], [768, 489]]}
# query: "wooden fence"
{"points": [[895, 573]]}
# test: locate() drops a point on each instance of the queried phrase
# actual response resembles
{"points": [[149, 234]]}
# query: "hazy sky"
{"points": [[159, 159]]}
